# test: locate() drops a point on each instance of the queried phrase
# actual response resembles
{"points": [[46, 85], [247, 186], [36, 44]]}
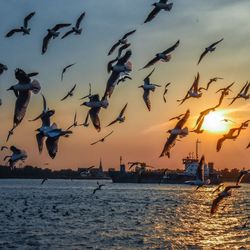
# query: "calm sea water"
{"points": [[63, 214]]}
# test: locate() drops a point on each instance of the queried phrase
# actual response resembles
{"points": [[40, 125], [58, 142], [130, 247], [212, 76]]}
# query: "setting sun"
{"points": [[214, 122]]}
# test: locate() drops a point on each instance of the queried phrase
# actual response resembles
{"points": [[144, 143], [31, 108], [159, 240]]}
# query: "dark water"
{"points": [[63, 214]]}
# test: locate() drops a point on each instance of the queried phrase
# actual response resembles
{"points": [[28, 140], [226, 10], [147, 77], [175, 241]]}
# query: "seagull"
{"points": [[3, 68], [74, 124], [22, 90], [223, 194], [202, 116], [210, 49], [178, 130], [215, 79], [86, 172], [241, 176], [76, 29], [24, 29], [98, 188], [176, 117], [52, 33], [122, 41], [147, 87], [242, 94], [200, 178], [231, 135], [89, 95], [158, 6], [45, 128], [95, 105], [103, 139], [65, 69], [198, 129], [53, 136], [123, 66], [218, 188], [248, 146], [43, 180], [165, 91], [121, 117], [4, 147], [164, 56], [135, 163], [224, 92], [69, 94], [194, 91], [17, 155]]}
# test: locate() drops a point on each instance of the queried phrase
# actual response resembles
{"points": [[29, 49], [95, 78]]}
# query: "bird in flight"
{"points": [[215, 79], [98, 188], [69, 94], [122, 41], [76, 29], [89, 94], [158, 6], [52, 33], [121, 117], [242, 94], [103, 139], [24, 29], [65, 69], [163, 56], [74, 124], [165, 91], [210, 49]]}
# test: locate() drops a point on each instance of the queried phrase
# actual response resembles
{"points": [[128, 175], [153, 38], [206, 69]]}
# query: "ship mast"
{"points": [[197, 148]]}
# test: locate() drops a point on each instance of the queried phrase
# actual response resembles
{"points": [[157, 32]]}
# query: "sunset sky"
{"points": [[141, 138]]}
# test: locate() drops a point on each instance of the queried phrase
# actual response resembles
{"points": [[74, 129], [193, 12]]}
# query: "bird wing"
{"points": [[110, 64], [151, 62], [40, 139], [113, 122], [202, 55], [113, 48], [168, 145], [65, 69], [94, 116], [183, 120], [128, 34], [114, 77], [199, 171], [79, 20], [146, 80], [72, 90], [123, 110], [240, 177], [46, 40], [65, 97], [163, 1], [152, 14], [172, 48], [146, 99], [60, 25], [247, 88], [94, 98], [219, 143], [196, 82], [75, 117], [52, 146], [234, 99], [216, 203], [93, 143], [214, 44], [67, 33], [123, 47], [15, 150], [108, 135], [27, 18], [12, 32], [125, 58], [44, 103]]}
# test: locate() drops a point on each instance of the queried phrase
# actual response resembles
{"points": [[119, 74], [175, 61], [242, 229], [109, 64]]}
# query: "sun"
{"points": [[214, 123]]}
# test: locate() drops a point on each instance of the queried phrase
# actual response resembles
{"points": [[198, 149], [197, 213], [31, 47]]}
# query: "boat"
{"points": [[140, 172]]}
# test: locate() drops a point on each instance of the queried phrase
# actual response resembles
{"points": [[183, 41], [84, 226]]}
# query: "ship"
{"points": [[140, 172]]}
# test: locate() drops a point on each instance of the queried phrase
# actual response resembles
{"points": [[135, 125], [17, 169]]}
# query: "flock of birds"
{"points": [[119, 70]]}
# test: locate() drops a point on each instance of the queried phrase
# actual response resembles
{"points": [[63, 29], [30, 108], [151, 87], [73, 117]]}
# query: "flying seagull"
{"points": [[174, 133], [24, 29], [122, 66], [95, 105], [242, 94], [215, 79], [164, 56], [3, 68], [76, 29], [103, 139], [17, 155], [147, 87], [46, 124], [69, 94], [165, 91], [74, 124], [98, 188], [121, 117], [224, 92], [52, 33], [194, 91], [241, 176], [210, 49], [22, 90], [158, 6], [43, 180], [122, 41], [65, 69], [86, 171]]}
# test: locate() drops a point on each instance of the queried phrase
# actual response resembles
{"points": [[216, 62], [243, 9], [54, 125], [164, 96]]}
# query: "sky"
{"points": [[142, 136]]}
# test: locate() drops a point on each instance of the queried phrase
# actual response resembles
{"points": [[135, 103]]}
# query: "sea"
{"points": [[64, 214]]}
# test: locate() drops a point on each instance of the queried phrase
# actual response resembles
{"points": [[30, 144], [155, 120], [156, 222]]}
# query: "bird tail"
{"points": [[36, 87]]}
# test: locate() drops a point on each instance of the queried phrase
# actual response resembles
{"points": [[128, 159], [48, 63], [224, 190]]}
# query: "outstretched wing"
{"points": [[123, 110], [27, 18], [128, 34], [202, 56], [214, 44], [152, 62], [94, 116], [40, 139], [79, 20], [152, 14], [172, 48], [46, 40], [219, 143], [146, 99], [12, 32], [67, 34], [113, 48], [60, 25]]}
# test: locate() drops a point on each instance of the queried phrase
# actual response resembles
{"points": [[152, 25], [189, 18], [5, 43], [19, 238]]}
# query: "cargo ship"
{"points": [[140, 172]]}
